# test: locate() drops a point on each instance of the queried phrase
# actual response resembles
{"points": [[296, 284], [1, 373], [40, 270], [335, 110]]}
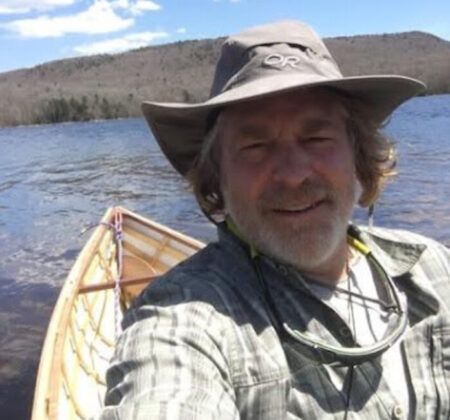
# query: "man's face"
{"points": [[288, 176]]}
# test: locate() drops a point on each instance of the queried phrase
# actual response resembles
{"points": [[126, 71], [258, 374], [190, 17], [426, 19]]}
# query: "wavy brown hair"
{"points": [[375, 158], [375, 154]]}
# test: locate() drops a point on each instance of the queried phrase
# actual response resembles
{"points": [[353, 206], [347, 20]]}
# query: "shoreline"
{"points": [[95, 120]]}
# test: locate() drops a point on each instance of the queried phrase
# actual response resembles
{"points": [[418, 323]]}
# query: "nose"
{"points": [[291, 165]]}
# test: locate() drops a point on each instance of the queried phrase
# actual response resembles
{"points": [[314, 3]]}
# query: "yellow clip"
{"points": [[233, 228], [358, 245]]}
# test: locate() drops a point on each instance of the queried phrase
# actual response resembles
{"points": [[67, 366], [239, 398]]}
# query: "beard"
{"points": [[305, 242]]}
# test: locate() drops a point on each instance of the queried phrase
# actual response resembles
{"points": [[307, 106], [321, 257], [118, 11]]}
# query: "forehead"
{"points": [[303, 104]]}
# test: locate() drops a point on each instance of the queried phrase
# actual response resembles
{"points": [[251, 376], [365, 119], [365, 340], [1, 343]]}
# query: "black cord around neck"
{"points": [[349, 391], [352, 321]]}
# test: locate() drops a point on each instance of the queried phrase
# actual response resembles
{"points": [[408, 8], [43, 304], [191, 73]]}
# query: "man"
{"points": [[293, 313]]}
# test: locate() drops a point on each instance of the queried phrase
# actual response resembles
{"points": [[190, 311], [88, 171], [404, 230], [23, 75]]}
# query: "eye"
{"points": [[254, 145], [318, 140], [254, 150]]}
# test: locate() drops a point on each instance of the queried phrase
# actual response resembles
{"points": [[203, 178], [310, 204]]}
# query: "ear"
{"points": [[358, 190]]}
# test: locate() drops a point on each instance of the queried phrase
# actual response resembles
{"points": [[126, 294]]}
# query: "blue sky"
{"points": [[36, 31]]}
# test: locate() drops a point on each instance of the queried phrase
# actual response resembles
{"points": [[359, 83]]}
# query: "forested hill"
{"points": [[111, 86]]}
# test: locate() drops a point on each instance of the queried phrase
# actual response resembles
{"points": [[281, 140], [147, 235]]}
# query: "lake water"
{"points": [[56, 180]]}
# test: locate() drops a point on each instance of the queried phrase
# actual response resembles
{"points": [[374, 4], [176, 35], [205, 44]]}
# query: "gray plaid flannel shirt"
{"points": [[199, 342]]}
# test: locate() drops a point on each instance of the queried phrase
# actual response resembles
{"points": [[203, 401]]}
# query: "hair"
{"points": [[374, 155]]}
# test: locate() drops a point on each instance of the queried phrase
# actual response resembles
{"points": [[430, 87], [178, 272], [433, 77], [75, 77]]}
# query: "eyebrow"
{"points": [[316, 124], [311, 125], [253, 130]]}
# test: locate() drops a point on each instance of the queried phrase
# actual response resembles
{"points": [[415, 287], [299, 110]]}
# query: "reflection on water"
{"points": [[56, 180], [24, 311]]}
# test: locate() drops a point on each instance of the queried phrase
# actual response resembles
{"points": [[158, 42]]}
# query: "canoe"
{"points": [[124, 254]]}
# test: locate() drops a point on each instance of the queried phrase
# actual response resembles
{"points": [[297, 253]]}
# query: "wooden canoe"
{"points": [[81, 334]]}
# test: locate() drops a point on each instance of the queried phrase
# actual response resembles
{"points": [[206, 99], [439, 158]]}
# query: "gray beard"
{"points": [[303, 247]]}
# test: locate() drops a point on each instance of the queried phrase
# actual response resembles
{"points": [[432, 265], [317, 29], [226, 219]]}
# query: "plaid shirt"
{"points": [[200, 342]]}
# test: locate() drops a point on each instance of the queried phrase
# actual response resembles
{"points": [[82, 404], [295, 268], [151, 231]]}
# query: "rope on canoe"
{"points": [[118, 236], [118, 219]]}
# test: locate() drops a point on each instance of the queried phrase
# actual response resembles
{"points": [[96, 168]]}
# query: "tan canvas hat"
{"points": [[262, 61]]}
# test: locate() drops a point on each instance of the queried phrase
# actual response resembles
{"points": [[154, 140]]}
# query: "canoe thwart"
{"points": [[110, 284]]}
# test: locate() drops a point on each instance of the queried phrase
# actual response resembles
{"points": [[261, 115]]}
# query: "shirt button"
{"points": [[397, 412]]}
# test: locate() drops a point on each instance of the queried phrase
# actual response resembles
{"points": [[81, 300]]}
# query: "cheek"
{"points": [[241, 181], [338, 169], [227, 172], [339, 161]]}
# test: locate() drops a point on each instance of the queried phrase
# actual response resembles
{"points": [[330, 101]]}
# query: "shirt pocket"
{"points": [[441, 367]]}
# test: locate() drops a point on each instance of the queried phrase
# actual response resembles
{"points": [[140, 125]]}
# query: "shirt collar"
{"points": [[396, 257]]}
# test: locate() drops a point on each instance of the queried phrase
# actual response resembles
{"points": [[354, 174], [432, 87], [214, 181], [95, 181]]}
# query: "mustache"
{"points": [[311, 191]]}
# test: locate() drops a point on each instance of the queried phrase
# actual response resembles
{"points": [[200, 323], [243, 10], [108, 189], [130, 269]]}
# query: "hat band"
{"points": [[268, 63]]}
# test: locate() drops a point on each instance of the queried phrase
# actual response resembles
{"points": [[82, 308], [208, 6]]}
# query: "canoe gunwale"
{"points": [[179, 237]]}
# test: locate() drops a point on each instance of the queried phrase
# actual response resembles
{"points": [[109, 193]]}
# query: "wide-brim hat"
{"points": [[261, 61]]}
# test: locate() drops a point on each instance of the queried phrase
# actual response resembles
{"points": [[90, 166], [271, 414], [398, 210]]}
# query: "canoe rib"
{"points": [[80, 337]]}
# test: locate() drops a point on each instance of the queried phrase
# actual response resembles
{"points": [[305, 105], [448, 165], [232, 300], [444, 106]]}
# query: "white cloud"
{"points": [[128, 42], [7, 10], [100, 18], [120, 4], [144, 6], [25, 6], [181, 30], [136, 7]]}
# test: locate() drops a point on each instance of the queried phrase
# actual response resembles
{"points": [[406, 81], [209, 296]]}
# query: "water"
{"points": [[57, 179]]}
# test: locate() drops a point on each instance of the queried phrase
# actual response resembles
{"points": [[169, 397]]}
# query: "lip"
{"points": [[302, 211]]}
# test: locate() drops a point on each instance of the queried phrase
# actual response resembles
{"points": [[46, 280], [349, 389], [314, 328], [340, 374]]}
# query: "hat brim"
{"points": [[179, 128]]}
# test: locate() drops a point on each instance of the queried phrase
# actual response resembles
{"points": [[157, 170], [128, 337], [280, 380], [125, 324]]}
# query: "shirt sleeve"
{"points": [[171, 361]]}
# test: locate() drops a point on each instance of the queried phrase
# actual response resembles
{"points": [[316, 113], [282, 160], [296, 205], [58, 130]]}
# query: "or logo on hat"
{"points": [[278, 60], [281, 61]]}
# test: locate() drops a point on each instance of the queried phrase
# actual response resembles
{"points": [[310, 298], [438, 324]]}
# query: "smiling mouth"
{"points": [[297, 210]]}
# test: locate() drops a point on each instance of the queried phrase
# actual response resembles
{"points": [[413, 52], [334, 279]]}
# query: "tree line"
{"points": [[56, 110]]}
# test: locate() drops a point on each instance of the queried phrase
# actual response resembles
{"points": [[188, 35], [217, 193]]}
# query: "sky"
{"points": [[36, 31]]}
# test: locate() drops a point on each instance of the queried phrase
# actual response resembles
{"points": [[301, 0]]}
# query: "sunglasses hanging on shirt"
{"points": [[316, 349]]}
